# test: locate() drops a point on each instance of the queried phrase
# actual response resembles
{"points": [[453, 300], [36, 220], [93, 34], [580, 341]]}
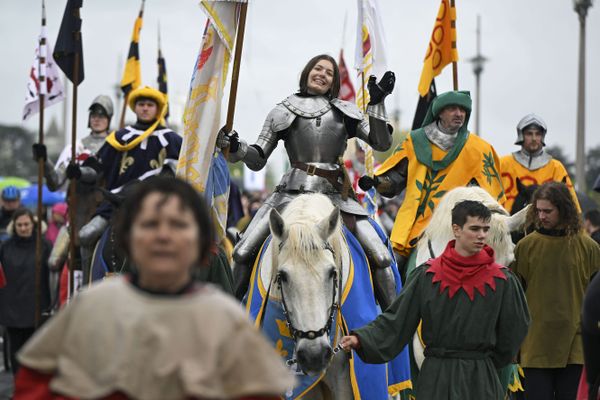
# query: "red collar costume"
{"points": [[454, 271]]}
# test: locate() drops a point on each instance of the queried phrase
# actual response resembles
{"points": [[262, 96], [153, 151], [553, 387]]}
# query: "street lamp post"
{"points": [[478, 62], [581, 8]]}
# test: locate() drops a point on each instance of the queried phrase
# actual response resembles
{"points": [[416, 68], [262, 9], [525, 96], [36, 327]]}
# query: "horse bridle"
{"points": [[335, 305]]}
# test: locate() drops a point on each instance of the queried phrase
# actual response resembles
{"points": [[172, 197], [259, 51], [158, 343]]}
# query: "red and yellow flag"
{"points": [[442, 46]]}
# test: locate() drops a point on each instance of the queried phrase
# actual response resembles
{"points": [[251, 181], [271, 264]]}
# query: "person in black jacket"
{"points": [[17, 298], [590, 334], [591, 223]]}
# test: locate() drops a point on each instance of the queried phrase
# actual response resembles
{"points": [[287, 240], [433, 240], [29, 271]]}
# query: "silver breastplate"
{"points": [[317, 140], [93, 143], [532, 161]]}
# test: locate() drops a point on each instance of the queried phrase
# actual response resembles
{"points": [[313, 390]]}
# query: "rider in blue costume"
{"points": [[315, 125]]}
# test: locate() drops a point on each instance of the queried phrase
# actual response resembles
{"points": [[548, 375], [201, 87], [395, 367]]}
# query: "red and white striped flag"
{"points": [[346, 88], [44, 76]]}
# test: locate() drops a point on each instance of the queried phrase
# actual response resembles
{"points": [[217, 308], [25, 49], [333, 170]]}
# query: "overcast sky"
{"points": [[532, 46]]}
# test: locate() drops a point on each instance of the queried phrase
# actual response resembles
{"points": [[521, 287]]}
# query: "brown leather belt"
{"points": [[332, 176]]}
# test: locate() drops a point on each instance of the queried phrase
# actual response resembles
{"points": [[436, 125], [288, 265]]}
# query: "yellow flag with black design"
{"points": [[442, 46], [132, 76]]}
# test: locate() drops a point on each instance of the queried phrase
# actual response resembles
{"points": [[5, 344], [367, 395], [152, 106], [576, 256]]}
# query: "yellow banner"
{"points": [[132, 76], [442, 46]]}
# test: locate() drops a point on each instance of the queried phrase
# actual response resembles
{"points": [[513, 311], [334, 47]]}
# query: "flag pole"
{"points": [[131, 86], [239, 42], [38, 239], [72, 182], [123, 110], [454, 63]]}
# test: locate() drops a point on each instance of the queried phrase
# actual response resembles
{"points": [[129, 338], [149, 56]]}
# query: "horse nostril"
{"points": [[327, 354], [301, 357]]}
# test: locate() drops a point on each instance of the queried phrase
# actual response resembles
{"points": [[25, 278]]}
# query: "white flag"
{"points": [[202, 114], [44, 69], [370, 44], [370, 60]]}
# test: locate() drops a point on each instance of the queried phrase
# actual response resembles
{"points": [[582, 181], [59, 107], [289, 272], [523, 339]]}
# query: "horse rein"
{"points": [[335, 305]]}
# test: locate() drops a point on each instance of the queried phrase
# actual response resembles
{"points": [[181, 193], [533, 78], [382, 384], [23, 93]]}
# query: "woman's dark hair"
{"points": [[19, 212], [167, 186], [335, 83], [559, 195], [469, 208]]}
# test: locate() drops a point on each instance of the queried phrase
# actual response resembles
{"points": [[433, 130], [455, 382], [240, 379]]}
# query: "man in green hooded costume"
{"points": [[434, 159]]}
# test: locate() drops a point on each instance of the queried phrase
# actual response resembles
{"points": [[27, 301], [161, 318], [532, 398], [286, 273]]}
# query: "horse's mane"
{"points": [[439, 229], [303, 239]]}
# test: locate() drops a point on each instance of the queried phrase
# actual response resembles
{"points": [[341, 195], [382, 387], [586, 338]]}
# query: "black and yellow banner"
{"points": [[132, 76], [162, 75]]}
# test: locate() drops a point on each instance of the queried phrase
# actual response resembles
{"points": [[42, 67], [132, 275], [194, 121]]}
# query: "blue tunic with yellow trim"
{"points": [[148, 158], [159, 149]]}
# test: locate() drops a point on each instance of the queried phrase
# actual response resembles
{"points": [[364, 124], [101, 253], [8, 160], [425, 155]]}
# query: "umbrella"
{"points": [[19, 183], [29, 196]]}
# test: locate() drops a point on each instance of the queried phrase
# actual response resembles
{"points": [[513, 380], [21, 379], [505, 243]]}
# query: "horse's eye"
{"points": [[283, 276], [332, 273]]}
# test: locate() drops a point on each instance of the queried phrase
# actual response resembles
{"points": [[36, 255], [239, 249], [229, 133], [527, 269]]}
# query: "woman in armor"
{"points": [[315, 125]]}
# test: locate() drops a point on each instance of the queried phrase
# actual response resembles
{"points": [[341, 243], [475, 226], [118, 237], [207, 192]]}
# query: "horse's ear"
{"points": [[276, 224], [328, 225], [520, 186], [516, 221]]}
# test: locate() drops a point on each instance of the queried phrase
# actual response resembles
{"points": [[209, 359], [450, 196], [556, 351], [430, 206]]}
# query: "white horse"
{"points": [[309, 269], [439, 232]]}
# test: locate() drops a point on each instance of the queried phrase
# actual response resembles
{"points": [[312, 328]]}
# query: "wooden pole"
{"points": [[38, 239], [454, 63], [123, 111], [239, 44], [72, 183], [455, 75], [362, 85], [41, 162]]}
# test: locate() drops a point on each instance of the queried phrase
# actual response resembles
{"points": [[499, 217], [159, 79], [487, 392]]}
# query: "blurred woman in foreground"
{"points": [[154, 334]]}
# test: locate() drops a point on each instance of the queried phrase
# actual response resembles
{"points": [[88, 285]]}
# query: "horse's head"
{"points": [[439, 230], [523, 197], [306, 269]]}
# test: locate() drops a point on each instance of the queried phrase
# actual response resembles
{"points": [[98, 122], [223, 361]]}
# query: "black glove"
{"points": [[94, 163], [228, 139], [234, 141], [39, 151], [366, 182], [378, 91], [73, 171]]}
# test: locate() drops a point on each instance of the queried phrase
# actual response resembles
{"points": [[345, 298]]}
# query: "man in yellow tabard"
{"points": [[531, 165], [434, 159]]}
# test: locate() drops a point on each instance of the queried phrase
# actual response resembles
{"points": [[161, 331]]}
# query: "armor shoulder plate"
{"points": [[307, 107], [281, 118], [349, 109]]}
